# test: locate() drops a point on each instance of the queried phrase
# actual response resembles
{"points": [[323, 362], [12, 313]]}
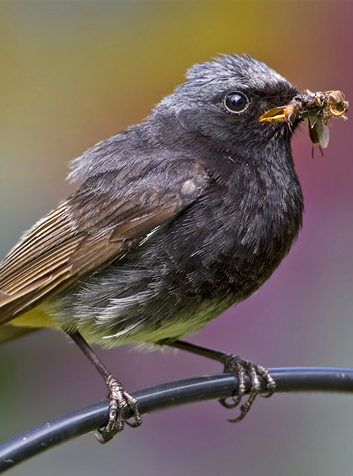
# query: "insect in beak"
{"points": [[318, 108]]}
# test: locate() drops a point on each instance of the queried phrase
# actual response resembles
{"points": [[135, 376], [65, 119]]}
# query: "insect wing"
{"points": [[318, 131]]}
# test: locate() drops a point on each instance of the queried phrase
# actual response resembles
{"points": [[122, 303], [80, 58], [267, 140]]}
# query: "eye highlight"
{"points": [[236, 102]]}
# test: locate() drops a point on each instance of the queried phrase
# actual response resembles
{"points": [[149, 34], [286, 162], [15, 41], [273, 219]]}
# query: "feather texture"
{"points": [[94, 227]]}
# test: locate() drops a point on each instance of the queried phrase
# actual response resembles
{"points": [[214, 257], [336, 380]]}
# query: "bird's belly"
{"points": [[151, 328]]}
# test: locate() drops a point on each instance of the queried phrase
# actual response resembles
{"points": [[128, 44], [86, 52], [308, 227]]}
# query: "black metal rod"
{"points": [[166, 395]]}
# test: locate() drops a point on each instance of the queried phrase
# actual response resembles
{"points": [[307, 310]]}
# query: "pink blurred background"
{"points": [[74, 73]]}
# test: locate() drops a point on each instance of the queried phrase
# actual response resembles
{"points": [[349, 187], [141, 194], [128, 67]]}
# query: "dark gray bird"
{"points": [[177, 219]]}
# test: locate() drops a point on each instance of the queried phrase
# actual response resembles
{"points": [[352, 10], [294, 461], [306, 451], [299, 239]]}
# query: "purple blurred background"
{"points": [[74, 73]]}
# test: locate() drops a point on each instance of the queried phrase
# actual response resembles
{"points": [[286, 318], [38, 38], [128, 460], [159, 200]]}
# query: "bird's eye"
{"points": [[236, 102]]}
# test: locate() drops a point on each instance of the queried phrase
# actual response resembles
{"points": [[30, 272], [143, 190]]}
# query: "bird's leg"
{"points": [[118, 398], [234, 364]]}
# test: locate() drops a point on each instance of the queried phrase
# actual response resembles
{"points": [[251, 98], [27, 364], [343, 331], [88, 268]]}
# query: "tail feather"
{"points": [[8, 332]]}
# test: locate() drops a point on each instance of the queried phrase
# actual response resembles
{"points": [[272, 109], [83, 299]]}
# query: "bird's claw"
{"points": [[240, 367], [119, 401]]}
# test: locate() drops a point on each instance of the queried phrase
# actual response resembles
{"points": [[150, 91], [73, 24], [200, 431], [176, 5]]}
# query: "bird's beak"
{"points": [[276, 114], [320, 105]]}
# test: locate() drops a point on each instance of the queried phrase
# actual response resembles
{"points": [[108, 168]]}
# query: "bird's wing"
{"points": [[108, 216]]}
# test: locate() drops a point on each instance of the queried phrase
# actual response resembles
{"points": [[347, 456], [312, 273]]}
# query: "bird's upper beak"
{"points": [[324, 105]]}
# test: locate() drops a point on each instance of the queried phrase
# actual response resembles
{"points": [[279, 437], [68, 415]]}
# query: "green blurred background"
{"points": [[74, 73]]}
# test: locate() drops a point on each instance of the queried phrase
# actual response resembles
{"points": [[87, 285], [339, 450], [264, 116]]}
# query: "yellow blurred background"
{"points": [[74, 73]]}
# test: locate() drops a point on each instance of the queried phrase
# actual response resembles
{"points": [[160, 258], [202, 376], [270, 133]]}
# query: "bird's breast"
{"points": [[235, 236]]}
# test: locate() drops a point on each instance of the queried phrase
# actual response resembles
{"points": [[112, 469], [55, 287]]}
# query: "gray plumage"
{"points": [[177, 218]]}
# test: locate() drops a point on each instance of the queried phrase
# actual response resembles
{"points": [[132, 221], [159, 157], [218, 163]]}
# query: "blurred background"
{"points": [[74, 73]]}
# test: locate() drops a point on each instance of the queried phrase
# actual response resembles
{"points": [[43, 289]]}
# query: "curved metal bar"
{"points": [[166, 395]]}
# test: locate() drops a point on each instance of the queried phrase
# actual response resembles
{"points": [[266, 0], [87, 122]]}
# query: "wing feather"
{"points": [[94, 227], [46, 234]]}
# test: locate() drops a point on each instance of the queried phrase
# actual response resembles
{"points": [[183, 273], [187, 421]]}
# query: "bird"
{"points": [[174, 220]]}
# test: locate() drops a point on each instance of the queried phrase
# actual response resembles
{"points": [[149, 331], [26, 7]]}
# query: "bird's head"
{"points": [[225, 98]]}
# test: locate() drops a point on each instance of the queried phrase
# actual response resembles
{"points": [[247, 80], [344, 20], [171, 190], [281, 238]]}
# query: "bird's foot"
{"points": [[241, 368], [119, 401]]}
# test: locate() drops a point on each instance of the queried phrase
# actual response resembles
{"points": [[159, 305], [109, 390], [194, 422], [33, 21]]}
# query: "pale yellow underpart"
{"points": [[38, 317], [177, 329], [42, 316]]}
